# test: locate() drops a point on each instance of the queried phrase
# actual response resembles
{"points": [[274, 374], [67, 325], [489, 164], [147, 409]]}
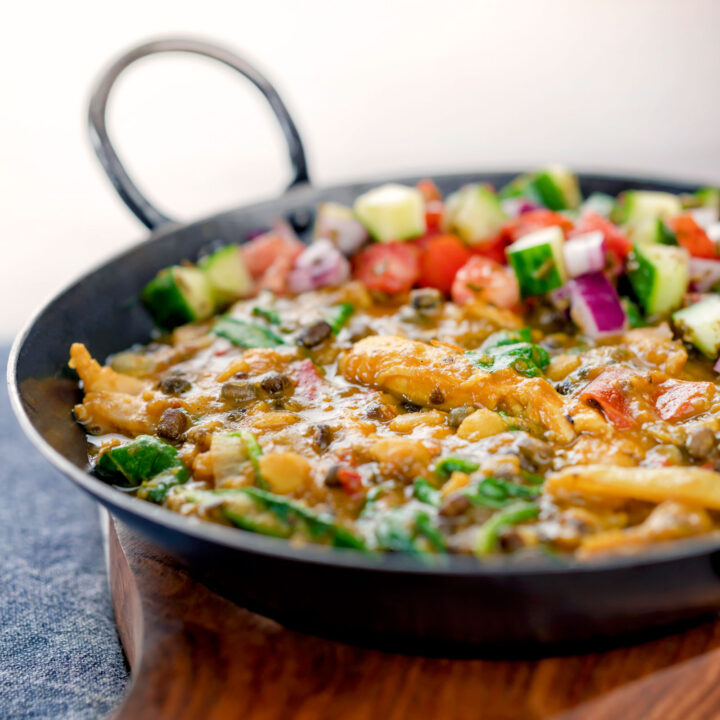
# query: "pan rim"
{"points": [[238, 540]]}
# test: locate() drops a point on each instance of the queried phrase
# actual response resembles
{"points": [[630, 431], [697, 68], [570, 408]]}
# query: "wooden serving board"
{"points": [[195, 655]]}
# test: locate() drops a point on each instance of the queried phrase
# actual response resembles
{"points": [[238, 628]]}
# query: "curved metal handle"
{"points": [[126, 188]]}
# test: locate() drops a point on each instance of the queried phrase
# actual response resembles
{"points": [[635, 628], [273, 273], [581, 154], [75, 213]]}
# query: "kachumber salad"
{"points": [[503, 371]]}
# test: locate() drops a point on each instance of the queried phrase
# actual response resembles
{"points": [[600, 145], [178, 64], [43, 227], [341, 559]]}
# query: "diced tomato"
{"points": [[429, 191], [307, 378], [615, 242], [434, 215], [535, 220], [493, 249], [692, 237], [484, 279], [392, 267], [680, 399], [269, 259], [609, 390], [441, 258], [350, 479]]}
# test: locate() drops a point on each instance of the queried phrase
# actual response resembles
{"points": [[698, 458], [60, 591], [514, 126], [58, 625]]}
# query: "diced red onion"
{"points": [[595, 306], [704, 216], [319, 265], [513, 207], [584, 253], [346, 233], [704, 274], [716, 366]]}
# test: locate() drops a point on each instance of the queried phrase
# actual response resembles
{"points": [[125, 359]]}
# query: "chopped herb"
{"points": [[488, 534], [338, 315], [447, 466], [269, 314], [425, 492], [245, 334]]}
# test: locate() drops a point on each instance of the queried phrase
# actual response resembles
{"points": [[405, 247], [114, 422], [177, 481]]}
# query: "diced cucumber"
{"points": [[709, 197], [227, 274], [178, 295], [700, 325], [555, 187], [653, 231], [392, 212], [638, 206], [599, 203], [659, 276], [474, 212], [538, 262]]}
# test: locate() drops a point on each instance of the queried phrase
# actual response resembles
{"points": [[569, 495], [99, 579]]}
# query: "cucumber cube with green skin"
{"points": [[699, 325], [659, 276], [557, 188], [653, 231], [178, 295], [227, 274], [392, 212], [638, 206], [599, 203], [538, 262], [709, 197], [474, 213]]}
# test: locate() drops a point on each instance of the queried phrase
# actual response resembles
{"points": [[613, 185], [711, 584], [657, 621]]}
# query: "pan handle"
{"points": [[104, 149]]}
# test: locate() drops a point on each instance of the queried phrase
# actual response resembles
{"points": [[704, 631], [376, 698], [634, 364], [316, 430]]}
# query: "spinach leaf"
{"points": [[289, 517], [254, 451], [447, 466], [245, 334], [401, 528], [141, 459], [487, 537], [269, 314], [425, 492], [497, 492], [338, 315], [512, 349]]}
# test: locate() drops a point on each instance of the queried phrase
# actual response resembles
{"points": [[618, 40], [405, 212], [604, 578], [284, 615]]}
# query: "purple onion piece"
{"points": [[595, 306], [319, 265], [716, 366]]}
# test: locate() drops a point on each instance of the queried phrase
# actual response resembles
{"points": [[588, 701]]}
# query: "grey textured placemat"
{"points": [[59, 651]]}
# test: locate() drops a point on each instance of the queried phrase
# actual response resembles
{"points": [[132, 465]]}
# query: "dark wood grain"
{"points": [[195, 655]]}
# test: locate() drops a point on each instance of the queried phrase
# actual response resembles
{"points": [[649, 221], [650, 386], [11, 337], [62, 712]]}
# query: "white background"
{"points": [[375, 88]]}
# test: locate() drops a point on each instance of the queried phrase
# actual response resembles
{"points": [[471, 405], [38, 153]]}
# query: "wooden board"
{"points": [[195, 655]]}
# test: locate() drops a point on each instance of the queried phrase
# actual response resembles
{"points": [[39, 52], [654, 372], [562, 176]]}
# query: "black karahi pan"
{"points": [[506, 606]]}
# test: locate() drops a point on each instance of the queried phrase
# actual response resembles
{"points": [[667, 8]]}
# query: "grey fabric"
{"points": [[59, 651]]}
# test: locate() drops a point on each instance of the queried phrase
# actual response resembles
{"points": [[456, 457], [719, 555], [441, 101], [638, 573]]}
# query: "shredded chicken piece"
{"points": [[102, 378], [436, 377]]}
